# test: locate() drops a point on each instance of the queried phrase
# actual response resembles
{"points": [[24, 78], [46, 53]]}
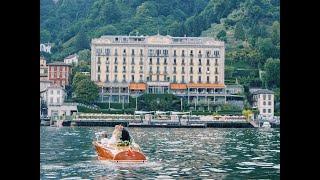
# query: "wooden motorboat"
{"points": [[119, 153]]}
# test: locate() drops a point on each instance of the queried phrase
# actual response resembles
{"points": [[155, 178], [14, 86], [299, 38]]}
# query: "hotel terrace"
{"points": [[188, 67]]}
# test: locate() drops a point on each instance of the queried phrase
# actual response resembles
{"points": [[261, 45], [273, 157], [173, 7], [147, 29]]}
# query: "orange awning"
{"points": [[205, 85], [137, 86], [178, 86]]}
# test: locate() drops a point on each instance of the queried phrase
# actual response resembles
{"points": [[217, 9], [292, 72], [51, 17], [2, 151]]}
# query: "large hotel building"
{"points": [[189, 67]]}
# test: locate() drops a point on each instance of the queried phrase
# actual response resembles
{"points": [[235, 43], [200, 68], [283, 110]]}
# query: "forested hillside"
{"points": [[250, 28]]}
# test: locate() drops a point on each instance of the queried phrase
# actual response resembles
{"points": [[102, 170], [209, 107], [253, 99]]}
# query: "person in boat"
{"points": [[104, 140]]}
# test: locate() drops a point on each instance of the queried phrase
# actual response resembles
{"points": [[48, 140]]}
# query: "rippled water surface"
{"points": [[67, 153]]}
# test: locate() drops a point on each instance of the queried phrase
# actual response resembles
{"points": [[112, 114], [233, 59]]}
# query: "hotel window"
{"points": [[116, 77], [208, 70], [150, 69], [124, 51], [216, 71], [165, 77], [208, 79], [148, 78], [182, 62], [150, 62], [141, 52], [182, 70], [115, 68], [132, 52], [51, 100], [174, 79], [199, 61], [208, 62], [269, 110], [158, 69], [107, 69], [98, 68], [216, 79], [165, 69], [182, 79], [58, 92], [174, 53], [264, 97], [132, 69], [116, 60], [199, 70], [264, 110], [124, 60], [107, 78], [140, 77], [191, 79], [269, 96], [132, 61], [124, 69], [174, 70], [51, 92], [116, 52], [158, 79], [98, 77], [165, 61], [58, 100], [123, 77], [191, 69], [141, 68], [191, 61], [158, 60], [216, 62], [199, 79], [269, 103], [264, 103], [174, 62], [132, 78], [182, 54], [99, 61]]}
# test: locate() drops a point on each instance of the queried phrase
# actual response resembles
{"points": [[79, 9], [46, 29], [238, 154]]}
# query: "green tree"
{"points": [[272, 73], [84, 55], [81, 41], [86, 91], [222, 35], [77, 78], [239, 33], [45, 36], [275, 34]]}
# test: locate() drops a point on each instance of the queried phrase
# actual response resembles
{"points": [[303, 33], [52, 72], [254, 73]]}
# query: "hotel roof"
{"points": [[58, 64], [263, 91], [157, 39]]}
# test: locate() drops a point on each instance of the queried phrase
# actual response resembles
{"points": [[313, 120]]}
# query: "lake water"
{"points": [[67, 153]]}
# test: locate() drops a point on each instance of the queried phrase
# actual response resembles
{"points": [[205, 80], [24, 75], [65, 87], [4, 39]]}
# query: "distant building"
{"points": [[188, 67], [46, 47], [72, 59], [59, 73], [43, 70], [263, 100], [55, 96]]}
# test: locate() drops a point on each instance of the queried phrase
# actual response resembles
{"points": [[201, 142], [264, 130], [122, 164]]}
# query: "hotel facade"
{"points": [[188, 67]]}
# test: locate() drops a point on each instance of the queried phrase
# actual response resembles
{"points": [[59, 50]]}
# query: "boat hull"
{"points": [[119, 154]]}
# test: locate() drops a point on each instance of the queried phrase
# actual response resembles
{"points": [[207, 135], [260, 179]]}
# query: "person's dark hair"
{"points": [[125, 135]]}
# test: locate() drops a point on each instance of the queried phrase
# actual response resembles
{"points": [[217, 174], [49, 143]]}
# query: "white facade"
{"points": [[73, 59], [263, 100], [45, 48], [65, 109], [55, 95]]}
